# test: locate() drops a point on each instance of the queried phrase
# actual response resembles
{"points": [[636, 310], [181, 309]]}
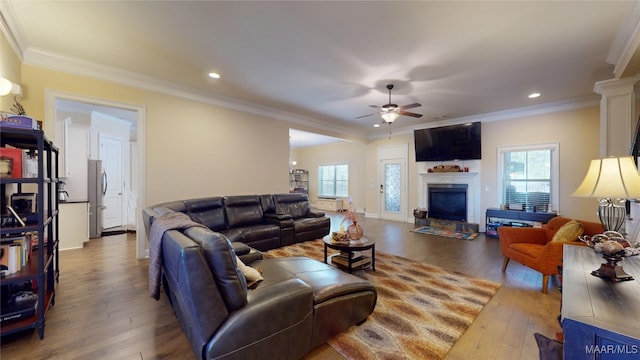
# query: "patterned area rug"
{"points": [[421, 311], [445, 232]]}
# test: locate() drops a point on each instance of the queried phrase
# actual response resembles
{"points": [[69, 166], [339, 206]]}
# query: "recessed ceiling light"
{"points": [[214, 75], [534, 95], [376, 125]]}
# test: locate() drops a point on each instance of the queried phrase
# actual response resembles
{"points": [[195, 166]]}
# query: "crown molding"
{"points": [[80, 67], [12, 32], [624, 54], [509, 114]]}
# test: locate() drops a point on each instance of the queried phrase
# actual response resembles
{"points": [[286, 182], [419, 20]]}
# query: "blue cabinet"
{"points": [[600, 318]]}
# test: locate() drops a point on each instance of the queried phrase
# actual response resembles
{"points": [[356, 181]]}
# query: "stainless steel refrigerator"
{"points": [[97, 188]]}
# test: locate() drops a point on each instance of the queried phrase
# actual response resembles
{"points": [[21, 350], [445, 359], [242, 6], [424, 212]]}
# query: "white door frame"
{"points": [[49, 126], [398, 153]]}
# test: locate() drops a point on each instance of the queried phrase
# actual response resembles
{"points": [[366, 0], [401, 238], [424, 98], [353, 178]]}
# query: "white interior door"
{"points": [[111, 156]]}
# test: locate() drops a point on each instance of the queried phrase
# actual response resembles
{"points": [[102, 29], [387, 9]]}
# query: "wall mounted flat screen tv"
{"points": [[455, 142]]}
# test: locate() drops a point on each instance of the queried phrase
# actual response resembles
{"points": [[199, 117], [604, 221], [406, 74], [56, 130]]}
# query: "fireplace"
{"points": [[447, 201]]}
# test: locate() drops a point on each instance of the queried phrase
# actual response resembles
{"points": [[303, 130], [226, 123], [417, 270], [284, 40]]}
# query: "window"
{"points": [[528, 175], [333, 180]]}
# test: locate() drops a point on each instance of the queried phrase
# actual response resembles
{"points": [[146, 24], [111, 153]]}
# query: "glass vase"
{"points": [[355, 231]]}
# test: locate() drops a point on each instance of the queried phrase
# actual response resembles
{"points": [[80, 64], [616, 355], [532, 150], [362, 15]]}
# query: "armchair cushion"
{"points": [[570, 231], [536, 248]]}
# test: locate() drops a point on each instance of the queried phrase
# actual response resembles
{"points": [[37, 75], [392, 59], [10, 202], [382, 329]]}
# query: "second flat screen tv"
{"points": [[446, 143]]}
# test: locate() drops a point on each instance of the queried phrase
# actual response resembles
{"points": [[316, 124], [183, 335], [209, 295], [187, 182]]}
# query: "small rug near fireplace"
{"points": [[446, 232], [421, 311]]}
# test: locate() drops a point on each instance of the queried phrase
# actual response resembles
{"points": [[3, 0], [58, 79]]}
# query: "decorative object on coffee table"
{"points": [[349, 215], [355, 231]]}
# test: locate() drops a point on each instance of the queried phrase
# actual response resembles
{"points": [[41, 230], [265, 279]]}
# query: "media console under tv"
{"points": [[498, 217]]}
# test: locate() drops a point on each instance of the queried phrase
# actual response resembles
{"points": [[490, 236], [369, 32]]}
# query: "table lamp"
{"points": [[612, 181]]}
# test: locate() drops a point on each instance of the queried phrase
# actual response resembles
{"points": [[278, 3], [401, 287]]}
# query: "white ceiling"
{"points": [[322, 64]]}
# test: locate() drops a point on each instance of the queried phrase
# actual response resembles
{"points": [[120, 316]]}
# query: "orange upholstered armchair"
{"points": [[533, 247]]}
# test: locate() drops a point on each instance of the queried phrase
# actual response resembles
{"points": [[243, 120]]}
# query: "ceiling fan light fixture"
{"points": [[389, 117]]}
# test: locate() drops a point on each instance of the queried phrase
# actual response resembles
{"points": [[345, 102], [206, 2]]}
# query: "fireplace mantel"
{"points": [[471, 179]]}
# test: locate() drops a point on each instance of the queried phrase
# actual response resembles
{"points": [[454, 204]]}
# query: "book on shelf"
{"points": [[8, 120], [18, 163], [15, 253], [354, 263], [354, 255], [10, 162]]}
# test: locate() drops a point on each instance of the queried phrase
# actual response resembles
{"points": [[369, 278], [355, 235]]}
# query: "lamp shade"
{"points": [[5, 86], [390, 116], [611, 178]]}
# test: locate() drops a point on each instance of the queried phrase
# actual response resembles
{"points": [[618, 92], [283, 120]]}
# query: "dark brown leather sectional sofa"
{"points": [[300, 304]]}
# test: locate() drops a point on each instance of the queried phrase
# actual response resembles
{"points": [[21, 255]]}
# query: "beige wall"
{"points": [[192, 149], [9, 69], [352, 153], [577, 133]]}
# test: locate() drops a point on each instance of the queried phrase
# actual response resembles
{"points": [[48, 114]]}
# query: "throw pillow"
{"points": [[548, 349], [568, 232], [252, 275]]}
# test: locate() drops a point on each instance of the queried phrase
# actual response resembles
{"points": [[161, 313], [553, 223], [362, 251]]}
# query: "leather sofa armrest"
{"points": [[240, 248], [264, 316], [315, 213], [284, 221], [277, 217]]}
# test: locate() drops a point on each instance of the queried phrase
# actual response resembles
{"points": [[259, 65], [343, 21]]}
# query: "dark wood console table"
{"points": [[495, 218], [600, 318]]}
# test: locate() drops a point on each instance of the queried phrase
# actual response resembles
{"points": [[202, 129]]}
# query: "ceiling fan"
{"points": [[390, 112]]}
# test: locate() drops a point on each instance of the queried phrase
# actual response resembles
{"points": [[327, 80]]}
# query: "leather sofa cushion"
{"points": [[253, 233], [302, 225], [296, 205], [326, 281], [222, 260], [207, 211], [242, 211]]}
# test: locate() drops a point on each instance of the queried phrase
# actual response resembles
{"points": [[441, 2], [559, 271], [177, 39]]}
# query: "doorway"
{"points": [[133, 113], [392, 174]]}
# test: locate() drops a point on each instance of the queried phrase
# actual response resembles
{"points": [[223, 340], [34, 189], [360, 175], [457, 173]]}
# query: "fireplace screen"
{"points": [[448, 201]]}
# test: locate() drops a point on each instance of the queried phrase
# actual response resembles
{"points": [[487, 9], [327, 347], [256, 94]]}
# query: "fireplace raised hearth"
{"points": [[447, 201]]}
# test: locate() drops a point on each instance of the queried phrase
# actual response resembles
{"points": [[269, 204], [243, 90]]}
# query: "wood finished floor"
{"points": [[103, 310]]}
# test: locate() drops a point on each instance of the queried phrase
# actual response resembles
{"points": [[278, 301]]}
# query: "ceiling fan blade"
{"points": [[406, 113], [362, 116], [410, 106]]}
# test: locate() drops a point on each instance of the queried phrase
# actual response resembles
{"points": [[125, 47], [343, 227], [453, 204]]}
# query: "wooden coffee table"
{"points": [[348, 249]]}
